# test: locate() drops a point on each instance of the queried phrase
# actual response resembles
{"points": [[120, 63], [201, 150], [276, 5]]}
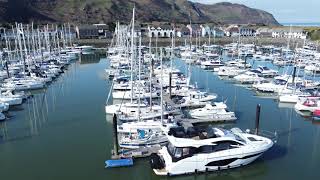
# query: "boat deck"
{"points": [[136, 153], [195, 121]]}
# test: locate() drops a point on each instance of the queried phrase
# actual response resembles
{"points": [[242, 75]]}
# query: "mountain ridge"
{"points": [[95, 11]]}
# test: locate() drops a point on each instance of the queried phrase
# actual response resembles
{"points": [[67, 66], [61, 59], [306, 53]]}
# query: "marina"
{"points": [[159, 100], [92, 140]]}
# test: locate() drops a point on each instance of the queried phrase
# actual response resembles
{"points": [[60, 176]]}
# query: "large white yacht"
{"points": [[193, 150]]}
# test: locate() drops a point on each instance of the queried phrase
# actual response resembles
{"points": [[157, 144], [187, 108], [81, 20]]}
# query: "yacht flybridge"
{"points": [[201, 150]]}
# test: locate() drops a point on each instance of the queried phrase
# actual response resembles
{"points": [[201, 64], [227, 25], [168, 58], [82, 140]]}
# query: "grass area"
{"points": [[314, 33]]}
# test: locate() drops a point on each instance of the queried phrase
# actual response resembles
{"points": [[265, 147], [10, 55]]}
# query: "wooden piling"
{"points": [[115, 135], [152, 67], [294, 74], [257, 119], [7, 69]]}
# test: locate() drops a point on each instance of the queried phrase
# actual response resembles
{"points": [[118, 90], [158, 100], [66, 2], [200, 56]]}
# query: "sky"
{"points": [[285, 11]]}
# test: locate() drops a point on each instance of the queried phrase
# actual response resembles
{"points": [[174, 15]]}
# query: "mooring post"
{"points": [[7, 69], [257, 119], [294, 74], [152, 66], [115, 135], [245, 62], [170, 84]]}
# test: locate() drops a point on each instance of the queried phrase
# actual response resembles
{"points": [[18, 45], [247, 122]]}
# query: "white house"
{"points": [[247, 31], [163, 31], [289, 32]]}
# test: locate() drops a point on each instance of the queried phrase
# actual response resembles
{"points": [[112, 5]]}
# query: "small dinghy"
{"points": [[119, 163]]}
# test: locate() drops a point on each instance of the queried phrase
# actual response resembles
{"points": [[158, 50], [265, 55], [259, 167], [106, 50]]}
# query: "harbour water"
{"points": [[314, 24], [63, 133]]}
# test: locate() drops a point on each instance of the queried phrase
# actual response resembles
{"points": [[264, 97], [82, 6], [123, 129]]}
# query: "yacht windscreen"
{"points": [[238, 138], [178, 153]]}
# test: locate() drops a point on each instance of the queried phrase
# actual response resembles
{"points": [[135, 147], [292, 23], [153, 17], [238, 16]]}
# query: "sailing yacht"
{"points": [[129, 107], [142, 139]]}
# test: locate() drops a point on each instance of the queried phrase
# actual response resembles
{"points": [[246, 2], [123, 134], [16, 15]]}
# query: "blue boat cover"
{"points": [[119, 163]]}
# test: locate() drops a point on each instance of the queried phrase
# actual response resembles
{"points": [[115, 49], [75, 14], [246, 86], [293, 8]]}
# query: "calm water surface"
{"points": [[63, 133]]}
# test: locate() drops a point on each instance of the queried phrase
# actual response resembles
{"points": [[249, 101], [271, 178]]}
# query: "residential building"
{"points": [[87, 32], [289, 32], [247, 31], [162, 31]]}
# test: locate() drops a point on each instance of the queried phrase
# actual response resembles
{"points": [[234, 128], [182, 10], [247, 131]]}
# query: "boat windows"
{"points": [[206, 149], [238, 138], [220, 146], [178, 153], [253, 139]]}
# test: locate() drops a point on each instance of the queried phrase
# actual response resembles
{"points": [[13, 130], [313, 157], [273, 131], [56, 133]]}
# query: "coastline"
{"points": [[105, 43]]}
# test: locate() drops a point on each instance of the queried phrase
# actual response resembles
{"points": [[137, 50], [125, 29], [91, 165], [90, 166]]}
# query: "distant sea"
{"points": [[302, 24]]}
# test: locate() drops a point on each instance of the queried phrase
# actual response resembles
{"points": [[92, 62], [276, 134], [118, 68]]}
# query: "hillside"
{"points": [[95, 11]]}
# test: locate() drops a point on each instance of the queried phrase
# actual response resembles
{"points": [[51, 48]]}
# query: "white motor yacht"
{"points": [[308, 104], [4, 106], [248, 77], [212, 149]]}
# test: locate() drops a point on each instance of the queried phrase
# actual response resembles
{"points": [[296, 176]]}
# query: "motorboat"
{"points": [[216, 112], [308, 104], [12, 101], [266, 72], [196, 99], [249, 77], [4, 106], [193, 150], [273, 87], [293, 98], [230, 71], [215, 115]]}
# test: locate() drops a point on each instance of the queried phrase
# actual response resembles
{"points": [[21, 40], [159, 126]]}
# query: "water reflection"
{"points": [[27, 120]]}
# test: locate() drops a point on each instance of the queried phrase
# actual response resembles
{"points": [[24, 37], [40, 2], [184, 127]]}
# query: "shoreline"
{"points": [[105, 43]]}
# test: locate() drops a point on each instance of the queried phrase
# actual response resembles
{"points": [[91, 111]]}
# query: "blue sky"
{"points": [[285, 11]]}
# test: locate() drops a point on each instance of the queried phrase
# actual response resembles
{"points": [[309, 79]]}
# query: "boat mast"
{"points": [[209, 36], [151, 64], [172, 46], [140, 85], [70, 35], [161, 103], [289, 38], [132, 53], [190, 37]]}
